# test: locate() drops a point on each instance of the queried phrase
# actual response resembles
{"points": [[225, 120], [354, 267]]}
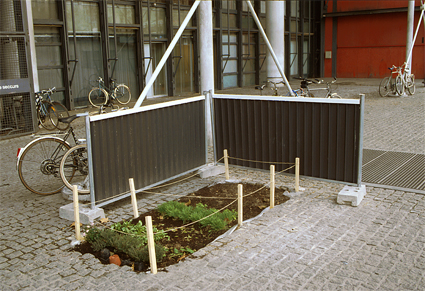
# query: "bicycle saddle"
{"points": [[68, 119], [261, 87]]}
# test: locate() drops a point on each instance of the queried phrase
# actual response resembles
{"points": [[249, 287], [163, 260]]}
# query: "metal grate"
{"points": [[13, 60], [15, 114], [395, 169], [11, 16]]}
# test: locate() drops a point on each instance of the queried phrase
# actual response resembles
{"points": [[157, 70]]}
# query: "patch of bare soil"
{"points": [[195, 237]]}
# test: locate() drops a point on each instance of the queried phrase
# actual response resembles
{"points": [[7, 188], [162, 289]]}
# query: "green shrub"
{"points": [[141, 253], [131, 245], [186, 213], [93, 234]]}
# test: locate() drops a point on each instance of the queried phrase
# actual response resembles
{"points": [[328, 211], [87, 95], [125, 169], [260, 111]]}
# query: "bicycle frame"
{"points": [[110, 90], [69, 132]]}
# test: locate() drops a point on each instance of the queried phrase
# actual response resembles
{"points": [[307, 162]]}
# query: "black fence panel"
{"points": [[149, 144], [323, 133]]}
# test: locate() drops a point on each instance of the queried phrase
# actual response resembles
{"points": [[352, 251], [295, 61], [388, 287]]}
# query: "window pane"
{"points": [[233, 50], [44, 9], [48, 56], [184, 67], [157, 22], [295, 8], [248, 79], [230, 66], [306, 26], [249, 65], [231, 4], [229, 19], [183, 14], [230, 81], [294, 58], [88, 46], [87, 15], [125, 67], [50, 78], [123, 14]]}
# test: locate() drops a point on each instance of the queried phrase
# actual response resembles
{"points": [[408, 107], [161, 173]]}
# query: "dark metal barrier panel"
{"points": [[150, 144], [323, 133]]}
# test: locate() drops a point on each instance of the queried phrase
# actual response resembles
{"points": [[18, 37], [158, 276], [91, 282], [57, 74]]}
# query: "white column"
{"points": [[275, 11], [206, 56], [410, 24], [30, 26]]}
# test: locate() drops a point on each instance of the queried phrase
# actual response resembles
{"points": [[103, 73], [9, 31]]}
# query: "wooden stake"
{"points": [[240, 205], [76, 213], [297, 174], [226, 165], [272, 185], [151, 244], [133, 198]]}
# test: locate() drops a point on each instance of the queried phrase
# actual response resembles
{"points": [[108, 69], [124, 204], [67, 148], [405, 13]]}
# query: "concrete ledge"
{"points": [[351, 194], [211, 170], [87, 214]]}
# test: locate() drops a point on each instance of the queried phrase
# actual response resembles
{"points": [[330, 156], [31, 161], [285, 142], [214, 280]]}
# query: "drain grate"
{"points": [[396, 169]]}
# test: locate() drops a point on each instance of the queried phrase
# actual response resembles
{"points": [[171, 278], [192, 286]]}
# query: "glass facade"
{"points": [[300, 38], [78, 41]]}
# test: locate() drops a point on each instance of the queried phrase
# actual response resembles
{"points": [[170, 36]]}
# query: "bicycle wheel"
{"points": [[98, 97], [385, 87], [43, 115], [38, 165], [58, 110], [122, 94], [410, 84], [74, 168], [399, 86]]}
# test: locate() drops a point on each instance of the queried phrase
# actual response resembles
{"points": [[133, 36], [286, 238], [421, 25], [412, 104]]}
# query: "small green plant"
{"points": [[186, 213], [179, 252], [139, 230]]}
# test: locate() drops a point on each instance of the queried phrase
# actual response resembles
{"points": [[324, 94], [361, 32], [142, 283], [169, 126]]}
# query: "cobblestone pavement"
{"points": [[307, 243]]}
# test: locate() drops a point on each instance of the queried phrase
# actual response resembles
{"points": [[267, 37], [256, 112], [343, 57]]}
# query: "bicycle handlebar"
{"points": [[48, 91]]}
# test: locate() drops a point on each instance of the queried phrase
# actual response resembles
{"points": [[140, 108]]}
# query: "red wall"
{"points": [[368, 44]]}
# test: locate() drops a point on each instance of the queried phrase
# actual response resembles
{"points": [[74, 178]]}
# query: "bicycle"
{"points": [[49, 112], [397, 85], [329, 86], [48, 163], [298, 92], [408, 80], [102, 95]]}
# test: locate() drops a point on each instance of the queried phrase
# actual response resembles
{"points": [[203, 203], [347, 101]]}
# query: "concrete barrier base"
{"points": [[87, 214], [210, 170], [351, 194]]}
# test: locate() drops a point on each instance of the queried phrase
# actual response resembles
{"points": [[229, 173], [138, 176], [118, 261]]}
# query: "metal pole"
{"points": [[409, 56], [410, 24], [90, 162], [266, 40], [361, 130], [167, 54]]}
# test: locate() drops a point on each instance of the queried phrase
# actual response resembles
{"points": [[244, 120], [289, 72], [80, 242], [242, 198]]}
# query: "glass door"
{"points": [[159, 87]]}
